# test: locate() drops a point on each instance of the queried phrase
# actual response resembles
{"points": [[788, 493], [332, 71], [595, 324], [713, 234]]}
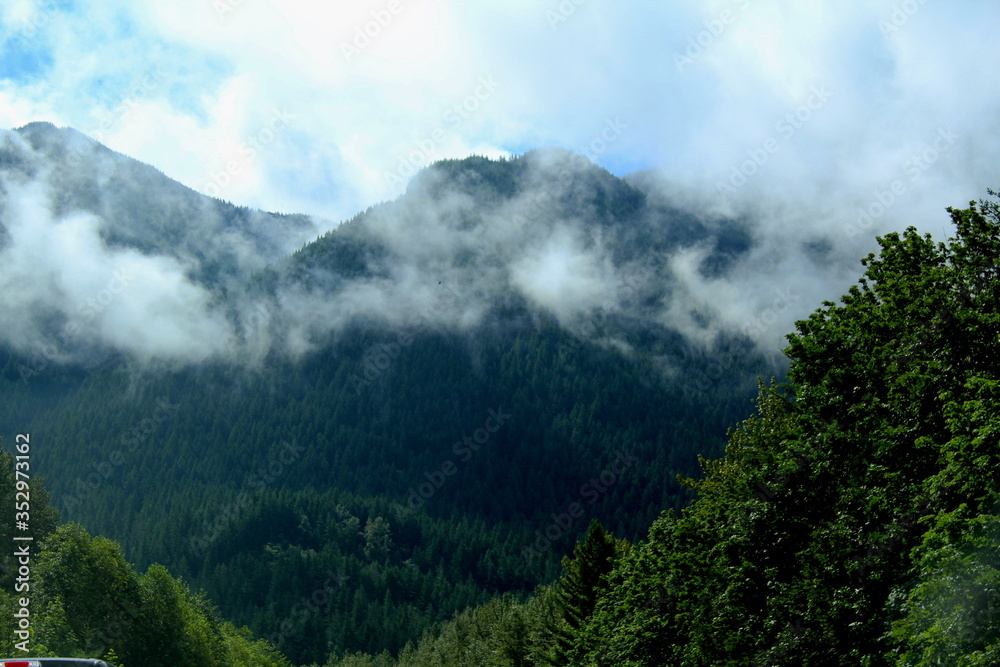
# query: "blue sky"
{"points": [[746, 105]]}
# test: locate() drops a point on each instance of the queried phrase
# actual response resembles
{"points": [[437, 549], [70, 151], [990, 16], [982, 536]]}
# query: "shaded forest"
{"points": [[491, 479]]}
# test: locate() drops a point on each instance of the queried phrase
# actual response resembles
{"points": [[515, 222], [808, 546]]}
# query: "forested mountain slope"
{"points": [[72, 595], [421, 412], [431, 401], [853, 520]]}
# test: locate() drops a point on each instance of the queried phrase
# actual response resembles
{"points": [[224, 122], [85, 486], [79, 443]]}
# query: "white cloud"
{"points": [[362, 122], [60, 268], [564, 277], [358, 117]]}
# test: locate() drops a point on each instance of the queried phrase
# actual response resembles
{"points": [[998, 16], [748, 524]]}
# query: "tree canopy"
{"points": [[855, 519]]}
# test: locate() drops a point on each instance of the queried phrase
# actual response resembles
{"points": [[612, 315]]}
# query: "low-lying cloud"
{"points": [[541, 234], [60, 283]]}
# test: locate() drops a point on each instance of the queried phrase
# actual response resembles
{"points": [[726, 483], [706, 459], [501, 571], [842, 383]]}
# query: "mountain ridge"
{"points": [[372, 351]]}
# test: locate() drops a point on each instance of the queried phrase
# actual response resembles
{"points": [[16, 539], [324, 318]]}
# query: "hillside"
{"points": [[73, 595], [852, 520], [433, 399]]}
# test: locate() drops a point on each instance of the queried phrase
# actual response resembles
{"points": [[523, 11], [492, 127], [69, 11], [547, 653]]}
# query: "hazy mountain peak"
{"points": [[37, 126], [76, 217], [546, 233]]}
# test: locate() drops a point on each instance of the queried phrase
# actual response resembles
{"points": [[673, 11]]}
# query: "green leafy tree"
{"points": [[378, 540], [96, 587], [811, 536], [172, 626], [53, 629], [952, 614]]}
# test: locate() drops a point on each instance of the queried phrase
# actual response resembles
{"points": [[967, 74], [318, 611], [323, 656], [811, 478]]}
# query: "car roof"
{"points": [[54, 662]]}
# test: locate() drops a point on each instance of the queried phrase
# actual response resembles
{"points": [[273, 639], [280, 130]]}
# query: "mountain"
{"points": [[140, 208], [105, 254], [430, 401], [853, 520]]}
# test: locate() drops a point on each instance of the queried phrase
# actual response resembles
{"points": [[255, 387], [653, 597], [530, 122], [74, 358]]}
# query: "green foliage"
{"points": [[580, 587], [264, 490], [241, 649], [853, 520], [85, 600], [501, 633], [952, 615], [171, 627], [378, 541], [94, 585]]}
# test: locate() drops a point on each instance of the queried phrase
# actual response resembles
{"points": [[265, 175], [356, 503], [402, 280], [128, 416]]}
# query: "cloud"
{"points": [[562, 276], [824, 127], [698, 84], [66, 290]]}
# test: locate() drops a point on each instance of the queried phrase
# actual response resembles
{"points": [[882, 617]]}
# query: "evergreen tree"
{"points": [[580, 587]]}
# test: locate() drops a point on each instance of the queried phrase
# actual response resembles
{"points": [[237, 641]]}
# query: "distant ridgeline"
{"points": [[854, 520], [417, 412]]}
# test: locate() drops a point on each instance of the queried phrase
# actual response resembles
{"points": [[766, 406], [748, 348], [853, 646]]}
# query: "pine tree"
{"points": [[579, 588]]}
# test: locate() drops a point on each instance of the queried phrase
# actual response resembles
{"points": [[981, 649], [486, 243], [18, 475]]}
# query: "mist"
{"points": [[161, 274], [801, 130]]}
